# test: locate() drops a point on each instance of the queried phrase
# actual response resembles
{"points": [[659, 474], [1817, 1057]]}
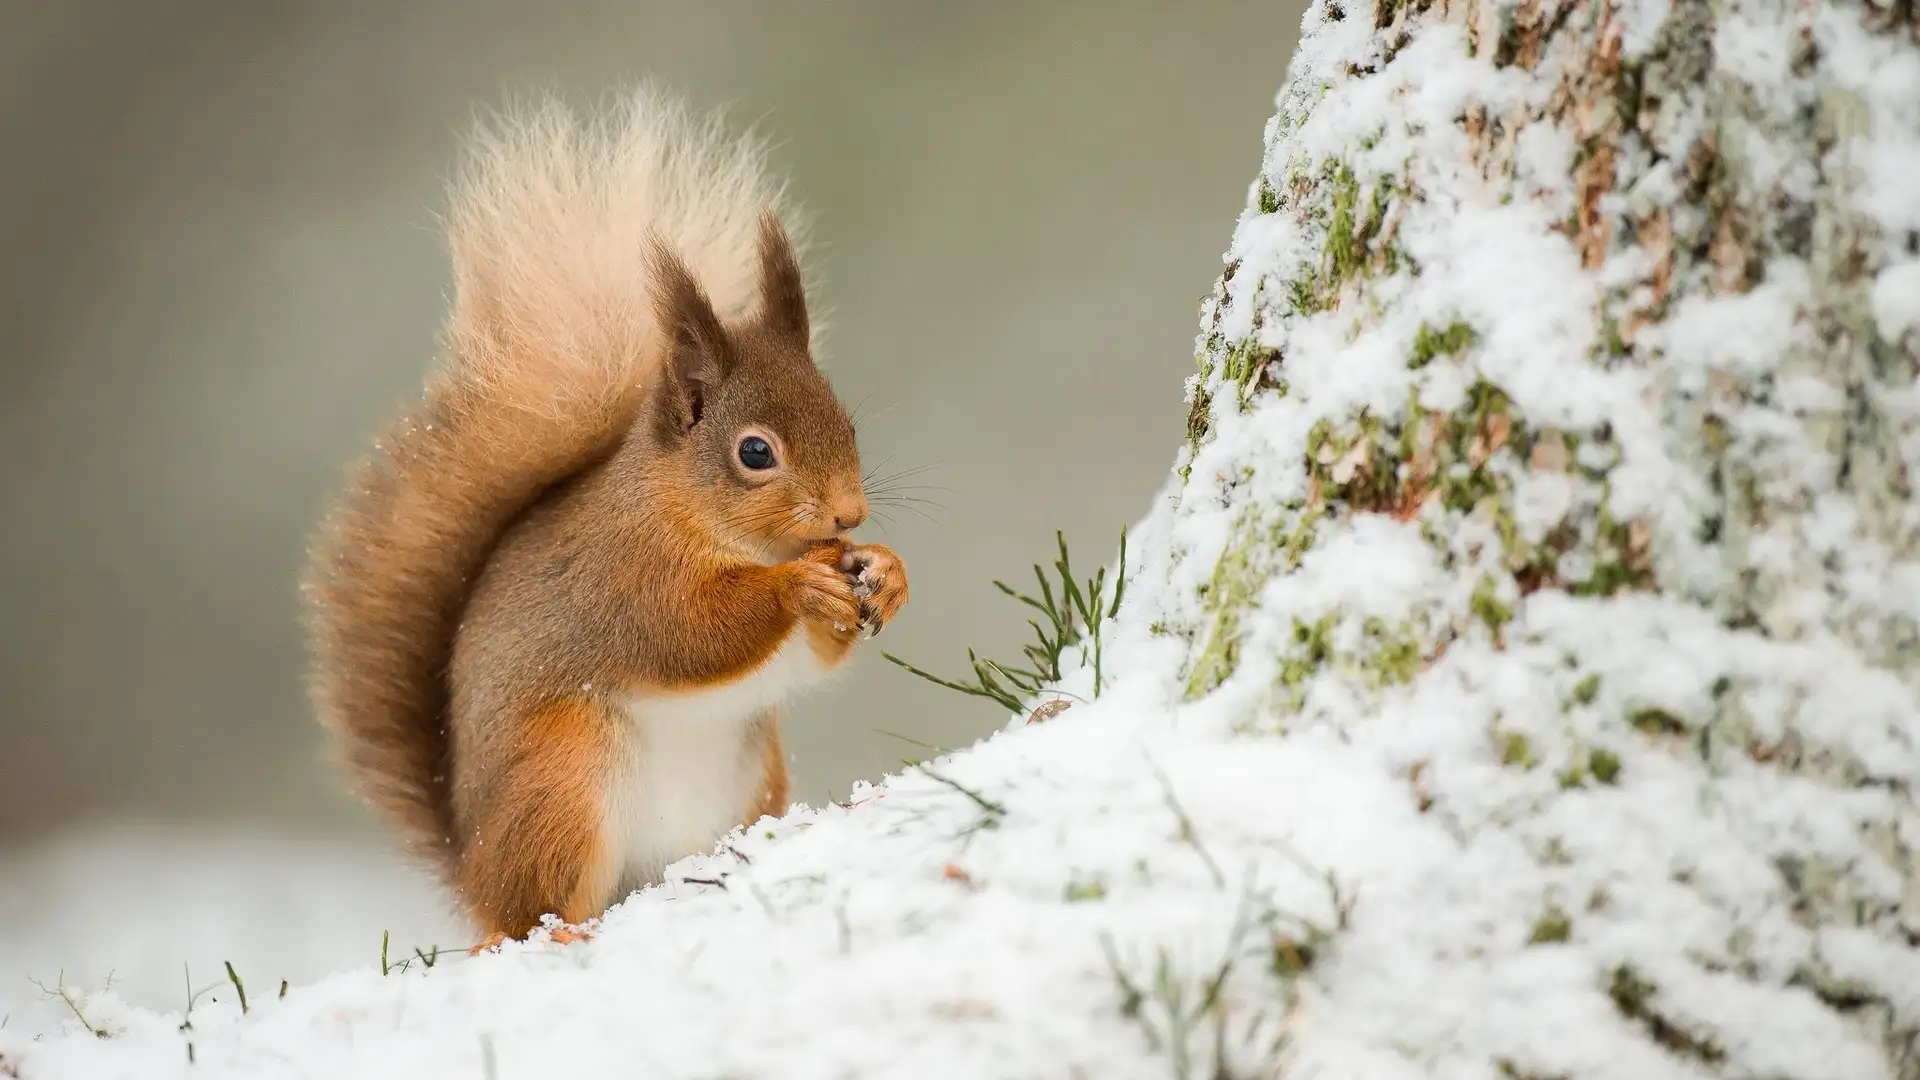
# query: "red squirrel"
{"points": [[558, 607]]}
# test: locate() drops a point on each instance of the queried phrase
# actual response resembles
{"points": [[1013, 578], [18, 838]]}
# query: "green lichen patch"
{"points": [[1489, 608], [1468, 458], [1596, 764], [1301, 297], [1199, 415], [1255, 552], [1452, 454], [1268, 200], [1553, 927], [1200, 409], [1084, 890], [1656, 721], [1587, 689], [1620, 557], [1246, 365], [1353, 466], [1347, 233], [1303, 659], [1387, 653], [1429, 343], [1244, 567], [1637, 1000], [1393, 655], [1516, 750], [1357, 243], [1467, 461], [1359, 240], [1394, 465], [1297, 540]]}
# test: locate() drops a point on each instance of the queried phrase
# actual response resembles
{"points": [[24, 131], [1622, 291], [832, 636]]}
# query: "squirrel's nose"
{"points": [[849, 517]]}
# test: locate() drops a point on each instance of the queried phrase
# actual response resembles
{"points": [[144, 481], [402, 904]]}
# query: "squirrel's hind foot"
{"points": [[559, 934]]}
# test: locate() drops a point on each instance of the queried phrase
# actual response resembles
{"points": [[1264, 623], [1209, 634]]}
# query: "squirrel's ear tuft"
{"points": [[698, 353], [783, 295]]}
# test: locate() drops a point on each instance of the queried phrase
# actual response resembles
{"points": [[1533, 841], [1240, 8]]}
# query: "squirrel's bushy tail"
{"points": [[547, 351]]}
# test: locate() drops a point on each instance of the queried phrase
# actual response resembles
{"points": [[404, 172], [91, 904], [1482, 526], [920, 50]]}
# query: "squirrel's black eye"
{"points": [[755, 453]]}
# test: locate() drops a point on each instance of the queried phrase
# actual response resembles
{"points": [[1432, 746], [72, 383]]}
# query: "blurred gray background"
{"points": [[221, 275]]}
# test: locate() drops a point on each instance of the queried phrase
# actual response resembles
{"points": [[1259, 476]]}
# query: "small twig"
{"points": [[193, 996], [488, 1066], [283, 989], [1131, 996], [186, 1017], [1242, 925], [1012, 703], [936, 751], [1187, 831], [65, 995], [984, 803], [385, 968], [238, 986], [1182, 1008], [1343, 902], [760, 894], [719, 883]]}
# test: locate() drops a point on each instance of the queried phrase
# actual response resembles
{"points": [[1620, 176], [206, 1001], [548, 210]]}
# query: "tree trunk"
{"points": [[1553, 441]]}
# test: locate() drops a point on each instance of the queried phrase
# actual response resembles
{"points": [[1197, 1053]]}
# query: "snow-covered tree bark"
{"points": [[1554, 440], [1519, 678]]}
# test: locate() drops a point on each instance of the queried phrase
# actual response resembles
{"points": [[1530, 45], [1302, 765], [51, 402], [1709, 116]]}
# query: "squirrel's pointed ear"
{"points": [[698, 353], [783, 295]]}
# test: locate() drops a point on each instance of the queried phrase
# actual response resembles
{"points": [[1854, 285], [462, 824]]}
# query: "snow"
{"points": [[1896, 299], [841, 941], [145, 905], [1341, 875]]}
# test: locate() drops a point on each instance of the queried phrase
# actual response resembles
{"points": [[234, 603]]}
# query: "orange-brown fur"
{"points": [[771, 799], [563, 525], [536, 846]]}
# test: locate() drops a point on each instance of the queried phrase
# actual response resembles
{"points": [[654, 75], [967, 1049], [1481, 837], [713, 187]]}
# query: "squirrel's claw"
{"points": [[879, 583]]}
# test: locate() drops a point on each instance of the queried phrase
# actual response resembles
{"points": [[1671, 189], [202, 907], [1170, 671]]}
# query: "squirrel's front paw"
{"points": [[879, 580], [820, 591]]}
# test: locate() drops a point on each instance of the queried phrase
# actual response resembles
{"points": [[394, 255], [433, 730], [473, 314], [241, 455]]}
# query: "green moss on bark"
{"points": [[1243, 568]]}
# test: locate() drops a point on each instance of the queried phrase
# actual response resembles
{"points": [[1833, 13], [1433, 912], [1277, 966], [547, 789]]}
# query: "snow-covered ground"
{"points": [[924, 930], [146, 905]]}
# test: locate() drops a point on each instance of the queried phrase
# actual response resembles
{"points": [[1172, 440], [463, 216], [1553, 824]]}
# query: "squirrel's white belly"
{"points": [[689, 772]]}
